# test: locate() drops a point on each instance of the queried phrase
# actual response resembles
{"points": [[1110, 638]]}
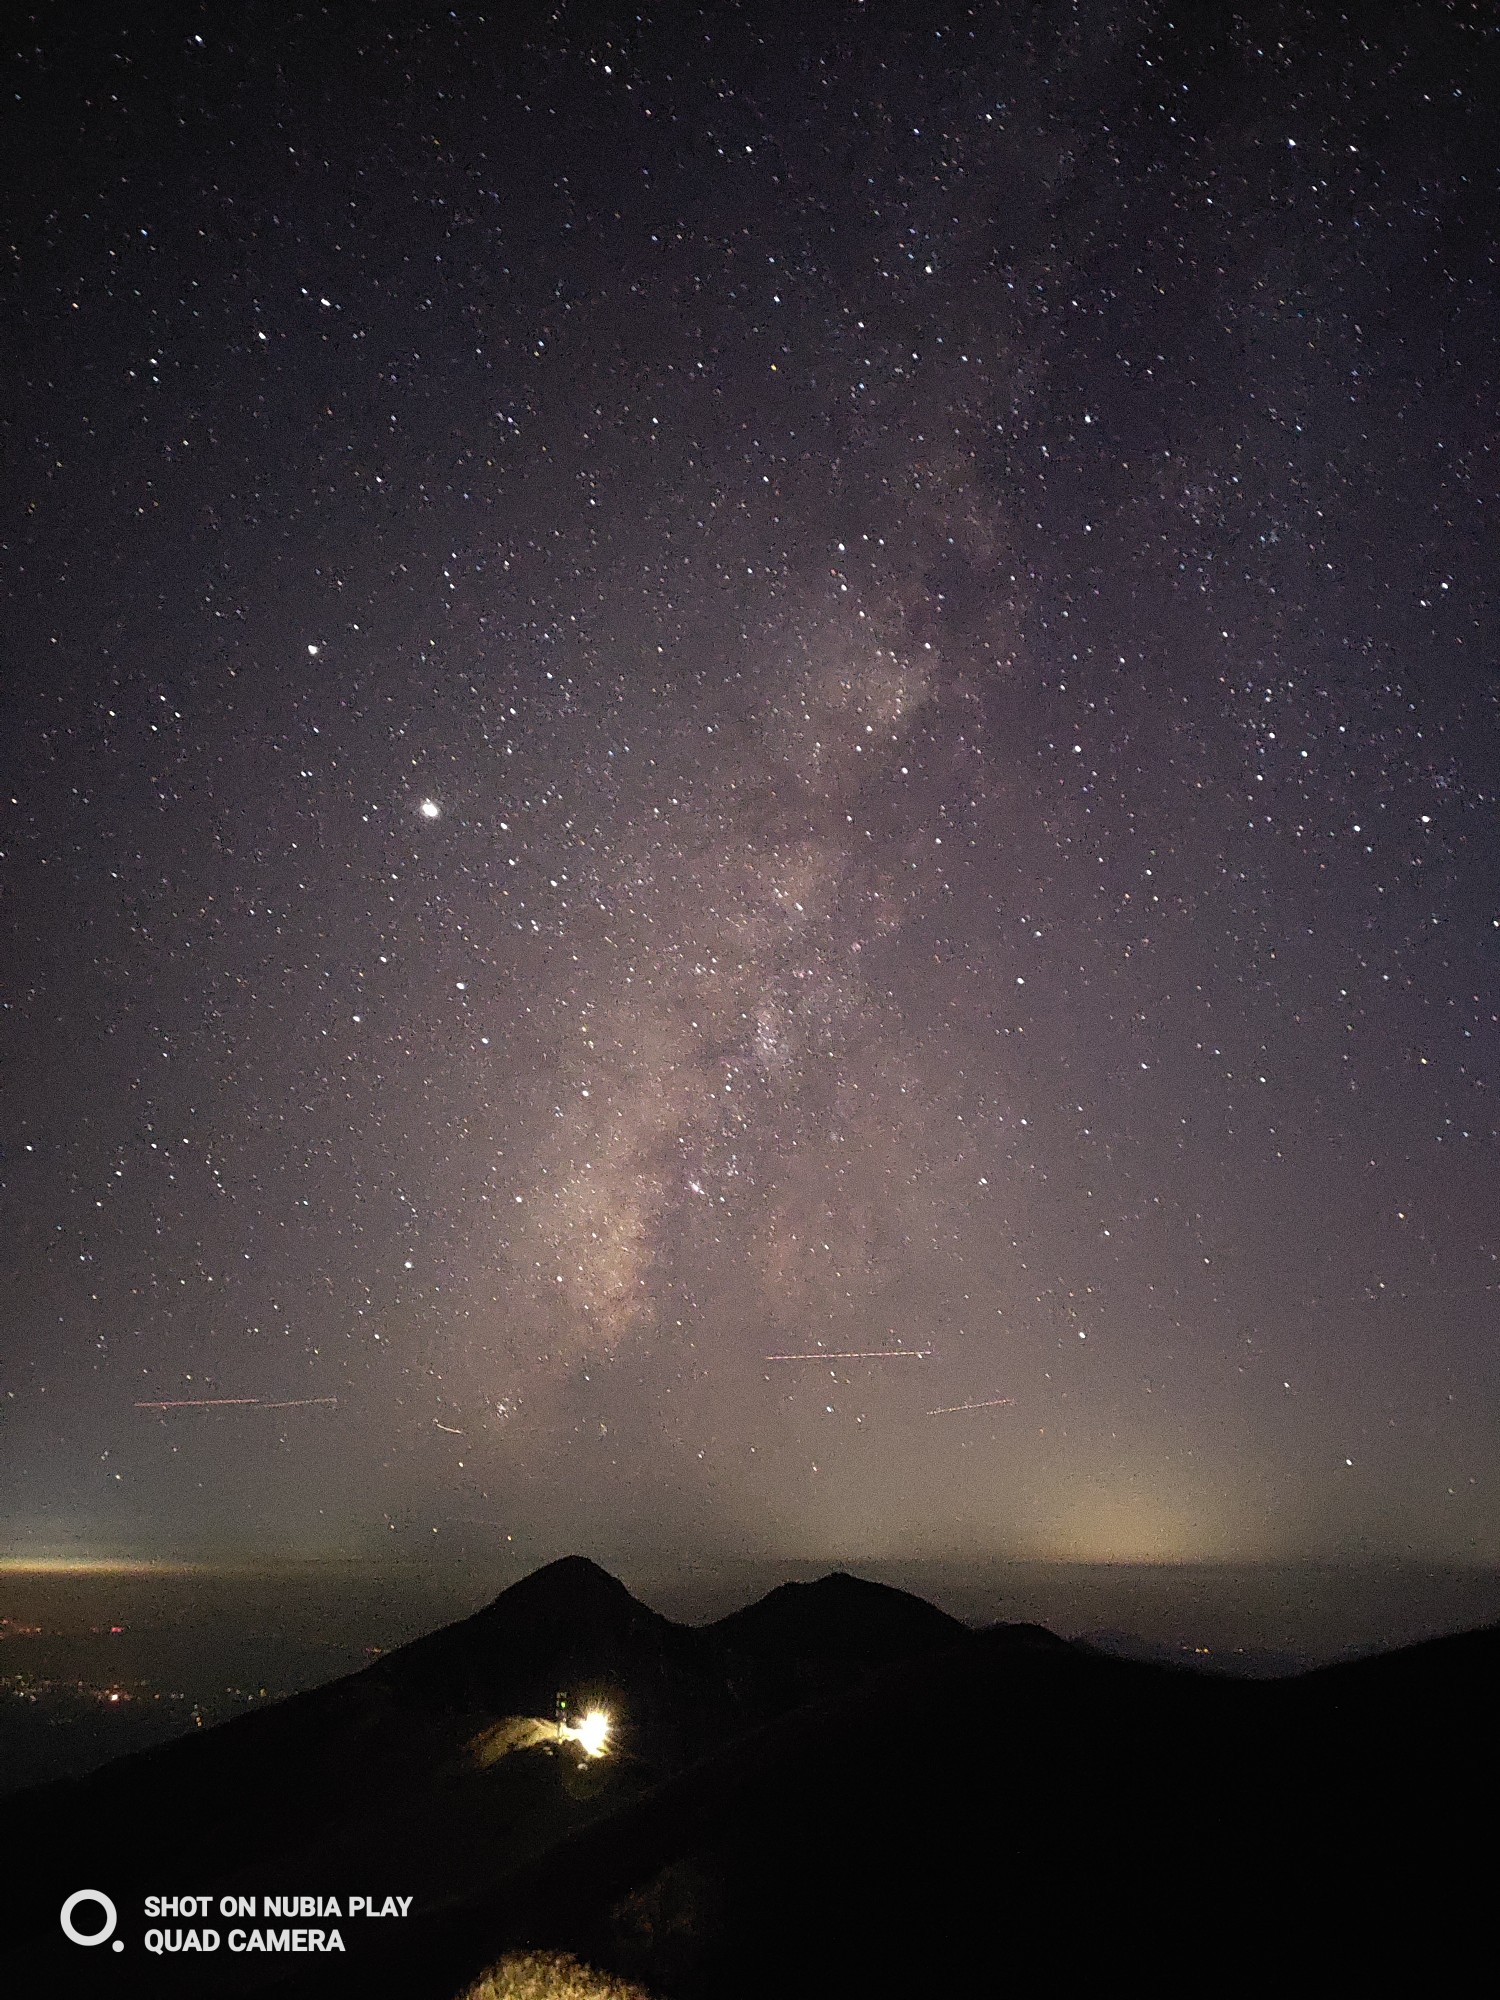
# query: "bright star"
{"points": [[431, 809]]}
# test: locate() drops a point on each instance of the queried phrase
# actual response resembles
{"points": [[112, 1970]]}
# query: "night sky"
{"points": [[711, 684]]}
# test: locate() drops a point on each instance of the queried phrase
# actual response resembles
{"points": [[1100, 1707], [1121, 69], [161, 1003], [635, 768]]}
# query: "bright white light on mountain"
{"points": [[593, 1733]]}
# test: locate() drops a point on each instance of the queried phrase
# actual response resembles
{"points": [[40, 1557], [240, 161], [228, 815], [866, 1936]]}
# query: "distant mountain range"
{"points": [[838, 1790]]}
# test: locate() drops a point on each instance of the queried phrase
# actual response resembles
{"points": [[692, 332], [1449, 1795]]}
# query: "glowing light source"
{"points": [[430, 809], [592, 1734]]}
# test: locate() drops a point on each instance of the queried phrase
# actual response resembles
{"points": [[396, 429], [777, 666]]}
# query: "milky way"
{"points": [[753, 685]]}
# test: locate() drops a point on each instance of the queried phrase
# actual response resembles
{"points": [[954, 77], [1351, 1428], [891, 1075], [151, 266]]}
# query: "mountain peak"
{"points": [[840, 1614], [570, 1580], [566, 1619]]}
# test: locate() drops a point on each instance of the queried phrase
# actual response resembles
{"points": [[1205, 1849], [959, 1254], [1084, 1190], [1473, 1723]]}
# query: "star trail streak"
{"points": [[957, 1409], [860, 1354], [238, 1403]]}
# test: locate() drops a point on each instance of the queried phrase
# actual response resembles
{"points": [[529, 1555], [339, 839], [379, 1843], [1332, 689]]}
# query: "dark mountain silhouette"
{"points": [[836, 1790], [840, 1617]]}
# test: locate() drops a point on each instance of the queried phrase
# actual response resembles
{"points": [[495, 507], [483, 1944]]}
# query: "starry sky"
{"points": [[706, 684]]}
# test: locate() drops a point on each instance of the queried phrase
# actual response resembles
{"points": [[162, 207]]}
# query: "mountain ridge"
{"points": [[788, 1756]]}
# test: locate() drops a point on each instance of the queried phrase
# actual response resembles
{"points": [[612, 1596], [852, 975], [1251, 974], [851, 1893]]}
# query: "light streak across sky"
{"points": [[238, 1403], [861, 1354], [957, 1409]]}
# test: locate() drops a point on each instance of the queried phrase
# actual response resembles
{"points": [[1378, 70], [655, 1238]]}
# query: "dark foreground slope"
{"points": [[1015, 1808], [397, 1779], [836, 1791]]}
